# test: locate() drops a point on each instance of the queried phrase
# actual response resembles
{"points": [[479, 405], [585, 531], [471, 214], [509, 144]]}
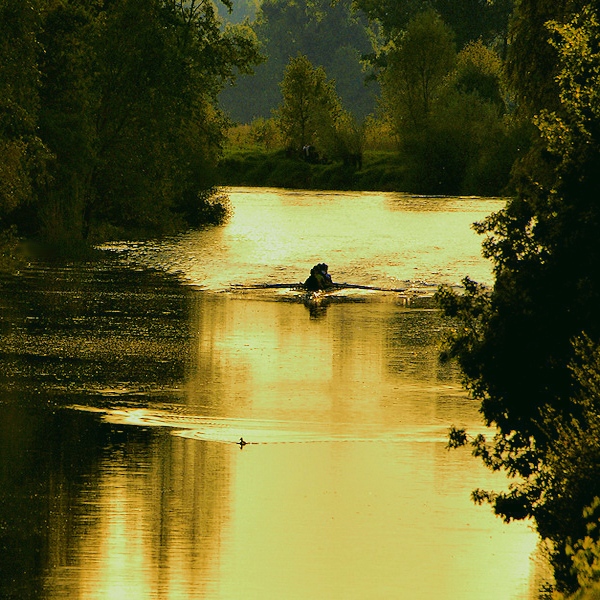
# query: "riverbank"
{"points": [[380, 171]]}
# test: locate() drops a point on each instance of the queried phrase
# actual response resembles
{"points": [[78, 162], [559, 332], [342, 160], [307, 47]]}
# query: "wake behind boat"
{"points": [[317, 300]]}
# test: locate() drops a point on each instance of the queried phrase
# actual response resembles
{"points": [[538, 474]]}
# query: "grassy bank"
{"points": [[380, 171]]}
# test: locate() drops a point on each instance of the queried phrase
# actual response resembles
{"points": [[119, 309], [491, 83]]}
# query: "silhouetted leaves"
{"points": [[529, 347]]}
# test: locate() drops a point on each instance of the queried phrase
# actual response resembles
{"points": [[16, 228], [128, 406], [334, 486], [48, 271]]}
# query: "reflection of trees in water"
{"points": [[99, 507], [36, 509], [74, 492], [154, 521], [87, 505], [217, 376]]}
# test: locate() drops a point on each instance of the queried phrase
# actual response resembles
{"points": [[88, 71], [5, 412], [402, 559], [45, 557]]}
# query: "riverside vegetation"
{"points": [[104, 134], [255, 156], [443, 121]]}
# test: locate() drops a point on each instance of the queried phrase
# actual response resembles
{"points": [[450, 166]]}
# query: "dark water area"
{"points": [[80, 334], [124, 390], [61, 327]]}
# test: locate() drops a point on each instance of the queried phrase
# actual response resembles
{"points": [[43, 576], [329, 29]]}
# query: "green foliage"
{"points": [[585, 552], [451, 112], [568, 480], [265, 132], [22, 154], [532, 62], [417, 67], [448, 112], [479, 71], [256, 167], [469, 19], [310, 106], [345, 140], [380, 171], [113, 119], [327, 33], [515, 342]]}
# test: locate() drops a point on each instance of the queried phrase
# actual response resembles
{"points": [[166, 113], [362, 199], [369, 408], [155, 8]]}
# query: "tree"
{"points": [[515, 341], [532, 62], [327, 33], [450, 119], [131, 120], [479, 71], [68, 101], [22, 153], [240, 11], [160, 134], [310, 105], [469, 19], [471, 141], [417, 66]]}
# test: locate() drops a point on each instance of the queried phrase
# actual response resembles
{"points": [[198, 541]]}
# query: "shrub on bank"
{"points": [[380, 171]]}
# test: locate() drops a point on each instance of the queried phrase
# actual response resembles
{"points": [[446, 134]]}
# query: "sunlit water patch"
{"points": [[274, 236]]}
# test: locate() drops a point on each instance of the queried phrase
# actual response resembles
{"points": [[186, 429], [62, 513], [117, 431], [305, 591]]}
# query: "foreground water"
{"points": [[125, 385]]}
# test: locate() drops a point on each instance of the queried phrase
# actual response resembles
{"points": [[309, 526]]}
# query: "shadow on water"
{"points": [[86, 333], [97, 328], [47, 459]]}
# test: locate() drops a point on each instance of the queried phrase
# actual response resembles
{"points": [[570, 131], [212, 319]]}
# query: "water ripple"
{"points": [[262, 431]]}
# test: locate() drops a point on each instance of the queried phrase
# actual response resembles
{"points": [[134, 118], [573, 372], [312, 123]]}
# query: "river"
{"points": [[126, 383]]}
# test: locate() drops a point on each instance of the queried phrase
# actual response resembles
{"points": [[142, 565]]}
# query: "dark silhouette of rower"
{"points": [[319, 278], [241, 443]]}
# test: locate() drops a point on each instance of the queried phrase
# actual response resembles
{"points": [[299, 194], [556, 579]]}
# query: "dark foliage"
{"points": [[515, 342], [469, 19], [112, 122]]}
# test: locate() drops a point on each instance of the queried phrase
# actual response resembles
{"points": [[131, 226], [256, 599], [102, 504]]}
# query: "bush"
{"points": [[381, 171]]}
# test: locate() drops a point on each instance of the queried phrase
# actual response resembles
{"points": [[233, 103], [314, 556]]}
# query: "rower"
{"points": [[319, 278]]}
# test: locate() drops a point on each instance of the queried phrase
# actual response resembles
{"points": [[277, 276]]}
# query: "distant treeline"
{"points": [[349, 39], [429, 76], [114, 115], [108, 114]]}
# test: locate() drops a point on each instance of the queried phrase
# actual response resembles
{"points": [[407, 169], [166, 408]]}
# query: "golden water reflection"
{"points": [[150, 528], [345, 491]]}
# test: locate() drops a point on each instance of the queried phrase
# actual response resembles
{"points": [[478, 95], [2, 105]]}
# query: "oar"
{"points": [[341, 286], [356, 286], [267, 286]]}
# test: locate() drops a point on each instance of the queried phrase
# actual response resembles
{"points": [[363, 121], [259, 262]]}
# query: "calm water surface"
{"points": [[125, 385]]}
